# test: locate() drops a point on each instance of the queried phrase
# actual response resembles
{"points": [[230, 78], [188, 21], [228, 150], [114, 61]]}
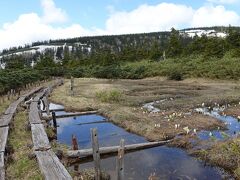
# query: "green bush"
{"points": [[109, 96], [175, 75]]}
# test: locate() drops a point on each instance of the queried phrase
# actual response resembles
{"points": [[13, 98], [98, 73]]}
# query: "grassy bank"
{"points": [[20, 166], [223, 154]]}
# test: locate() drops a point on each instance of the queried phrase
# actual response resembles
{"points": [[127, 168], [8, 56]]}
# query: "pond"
{"points": [[164, 162]]}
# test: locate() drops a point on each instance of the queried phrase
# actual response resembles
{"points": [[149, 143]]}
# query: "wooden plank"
{"points": [[12, 108], [95, 122], [56, 110], [3, 138], [120, 161], [34, 117], [114, 149], [96, 154], [39, 137], [6, 119], [76, 114], [27, 95], [39, 96], [2, 168], [51, 167]]}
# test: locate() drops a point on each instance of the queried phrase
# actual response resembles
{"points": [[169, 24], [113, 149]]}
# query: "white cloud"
{"points": [[30, 27], [209, 16], [146, 18], [163, 16], [223, 1], [52, 14], [149, 18]]}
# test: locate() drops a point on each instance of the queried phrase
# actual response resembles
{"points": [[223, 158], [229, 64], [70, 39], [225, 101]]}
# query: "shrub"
{"points": [[109, 96], [175, 75]]}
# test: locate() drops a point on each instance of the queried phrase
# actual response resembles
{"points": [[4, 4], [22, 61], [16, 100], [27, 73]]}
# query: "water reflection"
{"points": [[166, 163], [233, 125]]}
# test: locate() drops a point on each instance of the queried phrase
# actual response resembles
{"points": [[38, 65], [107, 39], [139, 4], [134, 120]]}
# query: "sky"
{"points": [[23, 22]]}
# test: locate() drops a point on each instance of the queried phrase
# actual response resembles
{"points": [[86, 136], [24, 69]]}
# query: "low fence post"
{"points": [[96, 154], [75, 147], [120, 161], [72, 86], [54, 120]]}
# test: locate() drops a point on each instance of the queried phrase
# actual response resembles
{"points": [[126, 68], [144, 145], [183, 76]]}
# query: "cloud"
{"points": [[30, 27], [145, 18], [223, 1], [149, 18], [52, 14], [217, 16], [163, 16]]}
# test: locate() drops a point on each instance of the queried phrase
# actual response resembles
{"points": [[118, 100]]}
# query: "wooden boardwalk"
{"points": [[51, 167], [49, 164], [5, 121]]}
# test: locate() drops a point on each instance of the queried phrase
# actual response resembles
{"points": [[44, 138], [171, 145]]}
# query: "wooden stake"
{"points": [[96, 155], [120, 161], [72, 86], [54, 120], [74, 143], [46, 104], [75, 147]]}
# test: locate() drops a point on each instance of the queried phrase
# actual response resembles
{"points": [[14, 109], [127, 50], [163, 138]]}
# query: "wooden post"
{"points": [[74, 143], [75, 147], [96, 154], [54, 120], [72, 86], [120, 161], [164, 55], [46, 105]]}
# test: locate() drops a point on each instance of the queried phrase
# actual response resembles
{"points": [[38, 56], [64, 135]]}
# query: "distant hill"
{"points": [[116, 42], [85, 46]]}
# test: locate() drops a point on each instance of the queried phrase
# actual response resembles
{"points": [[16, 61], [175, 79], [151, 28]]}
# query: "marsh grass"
{"points": [[20, 166], [109, 96], [224, 154]]}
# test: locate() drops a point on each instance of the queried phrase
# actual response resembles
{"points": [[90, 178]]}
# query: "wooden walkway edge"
{"points": [[50, 166], [48, 162], [5, 121]]}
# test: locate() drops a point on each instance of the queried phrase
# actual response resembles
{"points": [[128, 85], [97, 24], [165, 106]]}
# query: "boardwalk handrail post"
{"points": [[96, 154], [120, 161]]}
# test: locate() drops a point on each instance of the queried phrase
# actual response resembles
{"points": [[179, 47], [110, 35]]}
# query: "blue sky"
{"points": [[24, 21]]}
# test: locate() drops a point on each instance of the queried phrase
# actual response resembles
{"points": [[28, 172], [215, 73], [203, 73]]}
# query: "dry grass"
{"points": [[181, 98], [19, 165], [233, 111], [5, 102], [223, 154]]}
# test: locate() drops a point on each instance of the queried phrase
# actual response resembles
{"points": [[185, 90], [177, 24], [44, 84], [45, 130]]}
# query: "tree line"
{"points": [[130, 56]]}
